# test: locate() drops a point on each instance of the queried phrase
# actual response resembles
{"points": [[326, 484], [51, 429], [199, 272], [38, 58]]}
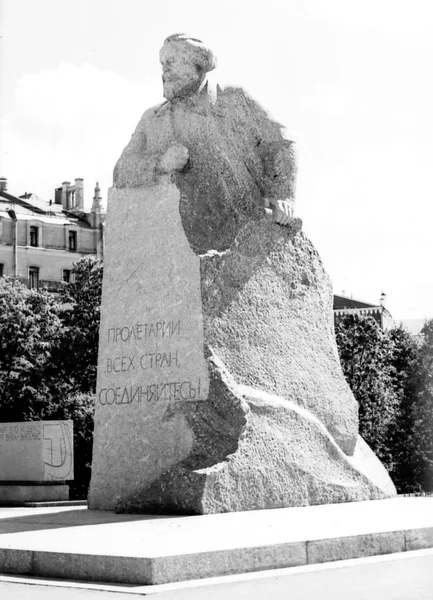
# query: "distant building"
{"points": [[346, 306], [40, 241]]}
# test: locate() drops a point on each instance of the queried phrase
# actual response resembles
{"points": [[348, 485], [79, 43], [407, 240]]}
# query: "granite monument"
{"points": [[219, 383]]}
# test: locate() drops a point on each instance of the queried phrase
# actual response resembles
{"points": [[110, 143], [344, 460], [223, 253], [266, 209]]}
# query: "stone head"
{"points": [[185, 62]]}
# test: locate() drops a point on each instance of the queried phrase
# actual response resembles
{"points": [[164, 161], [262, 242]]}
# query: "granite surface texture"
{"points": [[150, 344]]}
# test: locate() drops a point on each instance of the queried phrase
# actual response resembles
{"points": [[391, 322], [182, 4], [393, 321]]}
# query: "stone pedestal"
{"points": [[151, 344]]}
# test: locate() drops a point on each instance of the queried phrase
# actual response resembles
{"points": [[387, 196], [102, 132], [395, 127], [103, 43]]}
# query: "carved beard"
{"points": [[178, 87]]}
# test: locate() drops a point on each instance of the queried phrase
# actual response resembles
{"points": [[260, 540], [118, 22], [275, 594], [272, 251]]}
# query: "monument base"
{"points": [[21, 493], [271, 453], [141, 550], [219, 383]]}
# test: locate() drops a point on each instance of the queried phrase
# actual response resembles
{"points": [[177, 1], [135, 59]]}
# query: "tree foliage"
{"points": [[423, 412], [48, 356], [77, 359], [365, 355], [391, 376], [82, 301], [30, 331], [405, 376]]}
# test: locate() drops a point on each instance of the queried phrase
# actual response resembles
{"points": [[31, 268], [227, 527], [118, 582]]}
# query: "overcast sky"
{"points": [[351, 80]]}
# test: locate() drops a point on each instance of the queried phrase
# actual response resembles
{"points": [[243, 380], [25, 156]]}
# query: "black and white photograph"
{"points": [[216, 300]]}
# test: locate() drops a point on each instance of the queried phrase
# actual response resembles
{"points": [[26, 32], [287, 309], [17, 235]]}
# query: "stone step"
{"points": [[79, 544]]}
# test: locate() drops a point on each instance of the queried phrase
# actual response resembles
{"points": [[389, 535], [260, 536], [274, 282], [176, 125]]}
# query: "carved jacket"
{"points": [[238, 157]]}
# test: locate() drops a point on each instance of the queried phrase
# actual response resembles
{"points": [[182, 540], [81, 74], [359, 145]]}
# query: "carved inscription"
{"points": [[149, 360], [144, 331], [150, 393], [155, 359], [11, 432]]}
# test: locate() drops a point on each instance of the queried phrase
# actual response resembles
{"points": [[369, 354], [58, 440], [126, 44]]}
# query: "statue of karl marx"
{"points": [[266, 419], [227, 157]]}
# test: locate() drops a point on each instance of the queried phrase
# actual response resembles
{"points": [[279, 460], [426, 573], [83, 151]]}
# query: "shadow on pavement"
{"points": [[12, 520]]}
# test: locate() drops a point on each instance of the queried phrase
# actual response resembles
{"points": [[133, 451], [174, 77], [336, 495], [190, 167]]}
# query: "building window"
{"points": [[72, 241], [67, 276], [33, 278], [33, 236], [1, 269]]}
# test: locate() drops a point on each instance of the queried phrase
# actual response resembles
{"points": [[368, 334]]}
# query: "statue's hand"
{"points": [[282, 210], [174, 159]]}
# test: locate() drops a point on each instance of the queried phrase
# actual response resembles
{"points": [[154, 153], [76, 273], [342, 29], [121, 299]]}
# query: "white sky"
{"points": [[351, 80]]}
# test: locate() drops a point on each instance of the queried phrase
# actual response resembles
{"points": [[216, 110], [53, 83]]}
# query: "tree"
{"points": [[366, 358], [423, 412], [405, 375], [77, 361], [30, 330], [391, 376], [81, 316]]}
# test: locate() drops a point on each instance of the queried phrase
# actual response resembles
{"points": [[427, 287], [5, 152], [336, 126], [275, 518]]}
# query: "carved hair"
{"points": [[203, 55]]}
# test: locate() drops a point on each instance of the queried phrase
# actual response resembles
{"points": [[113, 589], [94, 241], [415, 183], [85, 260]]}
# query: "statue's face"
{"points": [[180, 75]]}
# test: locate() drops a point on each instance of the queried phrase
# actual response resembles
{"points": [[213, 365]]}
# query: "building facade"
{"points": [[40, 241], [379, 312]]}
